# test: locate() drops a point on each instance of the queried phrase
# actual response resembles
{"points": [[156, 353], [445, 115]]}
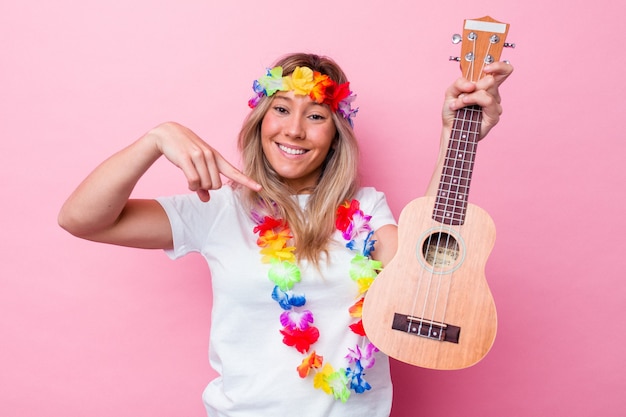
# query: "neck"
{"points": [[451, 201]]}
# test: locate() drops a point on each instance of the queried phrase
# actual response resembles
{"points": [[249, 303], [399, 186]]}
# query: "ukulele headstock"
{"points": [[481, 44]]}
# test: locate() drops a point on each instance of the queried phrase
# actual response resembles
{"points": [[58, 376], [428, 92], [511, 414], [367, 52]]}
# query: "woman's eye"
{"points": [[317, 117], [280, 109]]}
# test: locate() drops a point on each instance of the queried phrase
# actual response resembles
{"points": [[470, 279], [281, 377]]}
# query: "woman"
{"points": [[292, 242]]}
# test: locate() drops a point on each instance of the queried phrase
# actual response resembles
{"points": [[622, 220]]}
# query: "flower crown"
{"points": [[306, 82]]}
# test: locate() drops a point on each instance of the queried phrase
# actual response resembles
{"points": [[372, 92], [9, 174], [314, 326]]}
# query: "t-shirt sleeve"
{"points": [[188, 220], [374, 203]]}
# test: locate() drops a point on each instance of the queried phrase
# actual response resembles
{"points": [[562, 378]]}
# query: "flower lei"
{"points": [[306, 82], [298, 331]]}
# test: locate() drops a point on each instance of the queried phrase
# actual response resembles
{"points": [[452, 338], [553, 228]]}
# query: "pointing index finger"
{"points": [[236, 175]]}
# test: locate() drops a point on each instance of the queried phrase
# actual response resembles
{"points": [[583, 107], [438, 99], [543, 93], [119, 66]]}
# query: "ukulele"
{"points": [[431, 305]]}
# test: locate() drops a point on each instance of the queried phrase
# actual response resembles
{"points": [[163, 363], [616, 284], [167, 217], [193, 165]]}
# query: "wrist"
{"points": [[150, 145]]}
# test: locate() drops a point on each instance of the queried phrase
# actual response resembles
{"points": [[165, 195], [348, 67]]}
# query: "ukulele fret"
{"points": [[451, 202]]}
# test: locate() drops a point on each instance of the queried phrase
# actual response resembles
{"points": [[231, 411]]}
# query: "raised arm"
{"points": [[485, 93], [461, 93], [100, 208]]}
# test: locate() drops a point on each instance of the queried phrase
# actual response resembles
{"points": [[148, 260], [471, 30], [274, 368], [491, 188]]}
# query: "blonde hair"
{"points": [[313, 226]]}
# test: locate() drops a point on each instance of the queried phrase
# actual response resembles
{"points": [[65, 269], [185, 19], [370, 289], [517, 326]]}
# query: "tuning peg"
{"points": [[455, 58], [456, 38], [509, 45]]}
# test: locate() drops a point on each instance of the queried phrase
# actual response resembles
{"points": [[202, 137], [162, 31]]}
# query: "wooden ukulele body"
{"points": [[439, 303]]}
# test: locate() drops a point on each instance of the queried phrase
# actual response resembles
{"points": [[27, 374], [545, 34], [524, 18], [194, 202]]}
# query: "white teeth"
{"points": [[291, 151]]}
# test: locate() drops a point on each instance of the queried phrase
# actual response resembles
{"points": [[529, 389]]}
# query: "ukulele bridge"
{"points": [[426, 328]]}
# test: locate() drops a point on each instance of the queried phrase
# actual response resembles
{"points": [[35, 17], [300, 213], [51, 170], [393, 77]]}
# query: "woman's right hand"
{"points": [[201, 164]]}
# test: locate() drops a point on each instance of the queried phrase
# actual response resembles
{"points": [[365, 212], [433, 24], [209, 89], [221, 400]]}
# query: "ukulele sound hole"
{"points": [[441, 250]]}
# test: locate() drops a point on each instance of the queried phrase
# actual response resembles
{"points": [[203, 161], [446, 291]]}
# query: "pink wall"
{"points": [[93, 330]]}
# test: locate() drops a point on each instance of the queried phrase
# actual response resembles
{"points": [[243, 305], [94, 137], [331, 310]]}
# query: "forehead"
{"points": [[297, 99]]}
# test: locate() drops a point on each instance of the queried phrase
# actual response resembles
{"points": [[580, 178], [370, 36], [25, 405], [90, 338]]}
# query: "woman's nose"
{"points": [[295, 127]]}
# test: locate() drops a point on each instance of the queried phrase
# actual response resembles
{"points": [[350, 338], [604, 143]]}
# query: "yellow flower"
{"points": [[278, 252], [364, 284], [301, 81], [271, 238], [320, 381]]}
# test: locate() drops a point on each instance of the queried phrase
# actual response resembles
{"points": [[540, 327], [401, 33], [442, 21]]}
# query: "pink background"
{"points": [[94, 330]]}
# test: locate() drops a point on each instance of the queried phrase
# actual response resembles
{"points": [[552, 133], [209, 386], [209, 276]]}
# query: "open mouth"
{"points": [[291, 151]]}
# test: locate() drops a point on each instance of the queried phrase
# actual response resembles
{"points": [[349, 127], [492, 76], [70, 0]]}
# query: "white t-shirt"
{"points": [[257, 372]]}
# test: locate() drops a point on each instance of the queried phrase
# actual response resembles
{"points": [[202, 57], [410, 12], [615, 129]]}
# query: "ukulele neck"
{"points": [[451, 201]]}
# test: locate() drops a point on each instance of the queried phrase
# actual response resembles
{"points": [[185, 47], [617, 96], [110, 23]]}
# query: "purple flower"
{"points": [[296, 319], [364, 358]]}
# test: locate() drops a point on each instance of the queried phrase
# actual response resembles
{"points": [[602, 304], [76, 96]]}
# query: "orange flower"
{"points": [[308, 363], [273, 239], [356, 310], [322, 84]]}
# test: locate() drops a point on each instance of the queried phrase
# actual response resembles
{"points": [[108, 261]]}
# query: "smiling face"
{"points": [[296, 136]]}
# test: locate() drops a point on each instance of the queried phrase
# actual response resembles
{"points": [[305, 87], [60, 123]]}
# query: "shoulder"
{"points": [[370, 197], [374, 203], [190, 207], [368, 192], [194, 222]]}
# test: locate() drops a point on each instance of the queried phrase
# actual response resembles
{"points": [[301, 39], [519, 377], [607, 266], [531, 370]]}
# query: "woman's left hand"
{"points": [[484, 92]]}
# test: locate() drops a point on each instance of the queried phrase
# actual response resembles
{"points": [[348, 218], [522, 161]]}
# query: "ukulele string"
{"points": [[465, 158], [452, 194], [459, 167], [420, 280], [470, 68], [438, 243], [451, 204], [460, 195], [482, 68], [429, 256], [434, 248], [425, 279]]}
